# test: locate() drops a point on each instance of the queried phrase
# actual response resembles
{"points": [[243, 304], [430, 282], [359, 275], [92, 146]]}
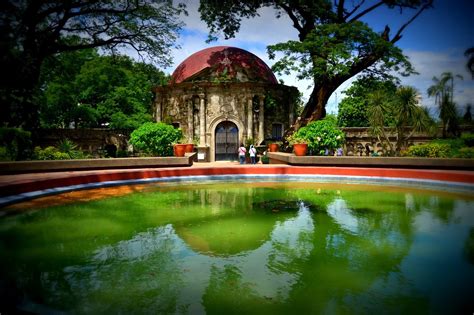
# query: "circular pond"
{"points": [[227, 247]]}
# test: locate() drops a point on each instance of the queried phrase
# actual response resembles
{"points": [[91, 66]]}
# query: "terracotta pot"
{"points": [[179, 150], [273, 147], [189, 148], [300, 149]]}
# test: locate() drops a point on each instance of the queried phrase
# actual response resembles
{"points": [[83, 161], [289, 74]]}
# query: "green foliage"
{"points": [[454, 148], [65, 150], [155, 138], [321, 135], [71, 149], [88, 90], [50, 153], [466, 153], [15, 144], [403, 113], [433, 150], [295, 138], [333, 43], [34, 31], [468, 139], [352, 112], [454, 143], [353, 108], [329, 51], [443, 90]]}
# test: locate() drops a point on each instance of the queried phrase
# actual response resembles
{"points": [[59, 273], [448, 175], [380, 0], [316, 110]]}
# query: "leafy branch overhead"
{"points": [[333, 45], [32, 31]]}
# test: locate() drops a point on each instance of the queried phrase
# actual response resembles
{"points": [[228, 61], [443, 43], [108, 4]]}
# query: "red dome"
{"points": [[232, 62]]}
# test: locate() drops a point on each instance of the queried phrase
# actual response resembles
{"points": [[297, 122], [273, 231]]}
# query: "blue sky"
{"points": [[435, 43]]}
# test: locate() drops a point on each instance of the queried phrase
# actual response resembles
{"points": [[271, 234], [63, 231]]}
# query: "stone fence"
{"points": [[358, 137], [95, 141], [113, 143]]}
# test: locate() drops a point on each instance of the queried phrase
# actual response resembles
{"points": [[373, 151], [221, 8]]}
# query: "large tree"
{"points": [[31, 31], [85, 89], [333, 45]]}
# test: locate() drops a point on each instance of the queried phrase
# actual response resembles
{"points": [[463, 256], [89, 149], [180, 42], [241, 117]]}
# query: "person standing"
{"points": [[242, 152], [252, 153]]}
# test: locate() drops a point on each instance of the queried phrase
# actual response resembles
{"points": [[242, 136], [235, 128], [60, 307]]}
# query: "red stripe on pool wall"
{"points": [[52, 180]]}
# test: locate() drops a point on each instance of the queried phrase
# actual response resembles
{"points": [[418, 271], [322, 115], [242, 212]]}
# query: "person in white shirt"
{"points": [[252, 153]]}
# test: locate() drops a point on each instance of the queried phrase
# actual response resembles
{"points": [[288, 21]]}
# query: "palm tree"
{"points": [[378, 106], [443, 91], [469, 53], [449, 77], [408, 116]]}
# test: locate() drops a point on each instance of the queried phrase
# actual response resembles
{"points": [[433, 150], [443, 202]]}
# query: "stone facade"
{"points": [[223, 96], [199, 108]]}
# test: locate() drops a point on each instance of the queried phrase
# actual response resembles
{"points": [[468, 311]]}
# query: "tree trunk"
{"points": [[20, 103], [315, 109]]}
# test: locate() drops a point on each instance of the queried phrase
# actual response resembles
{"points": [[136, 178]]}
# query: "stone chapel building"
{"points": [[222, 96]]}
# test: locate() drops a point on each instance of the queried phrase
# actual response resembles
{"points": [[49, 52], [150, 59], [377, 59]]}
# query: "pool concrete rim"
{"points": [[46, 184]]}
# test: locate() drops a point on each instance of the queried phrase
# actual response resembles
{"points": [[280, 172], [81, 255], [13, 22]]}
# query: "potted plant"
{"points": [[322, 136], [179, 148], [273, 146], [300, 145], [189, 146], [265, 159]]}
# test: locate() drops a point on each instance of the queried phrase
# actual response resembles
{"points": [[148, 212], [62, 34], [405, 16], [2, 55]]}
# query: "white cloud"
{"points": [[430, 64]]}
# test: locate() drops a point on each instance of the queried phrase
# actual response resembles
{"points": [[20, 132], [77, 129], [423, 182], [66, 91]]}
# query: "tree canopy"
{"points": [[333, 43], [84, 89], [353, 109], [31, 31]]}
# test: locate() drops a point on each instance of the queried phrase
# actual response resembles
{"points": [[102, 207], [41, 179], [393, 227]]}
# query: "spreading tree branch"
{"points": [[398, 35], [369, 9]]}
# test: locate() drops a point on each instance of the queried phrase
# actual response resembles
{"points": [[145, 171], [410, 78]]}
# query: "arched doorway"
{"points": [[227, 141]]}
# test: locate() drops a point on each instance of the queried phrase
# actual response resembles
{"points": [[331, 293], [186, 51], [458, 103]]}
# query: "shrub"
{"points": [[70, 148], [65, 150], [466, 153], [50, 153], [4, 155], [16, 143], [468, 139], [155, 138], [439, 150], [455, 143], [321, 135]]}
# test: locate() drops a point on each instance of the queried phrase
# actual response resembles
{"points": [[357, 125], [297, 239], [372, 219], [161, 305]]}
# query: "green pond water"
{"points": [[260, 248]]}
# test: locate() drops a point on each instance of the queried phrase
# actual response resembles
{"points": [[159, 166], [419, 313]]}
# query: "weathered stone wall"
{"points": [[94, 141], [358, 137], [198, 108]]}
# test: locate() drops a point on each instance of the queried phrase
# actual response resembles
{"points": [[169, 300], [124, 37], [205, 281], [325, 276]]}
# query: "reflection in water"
{"points": [[215, 249], [159, 263]]}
